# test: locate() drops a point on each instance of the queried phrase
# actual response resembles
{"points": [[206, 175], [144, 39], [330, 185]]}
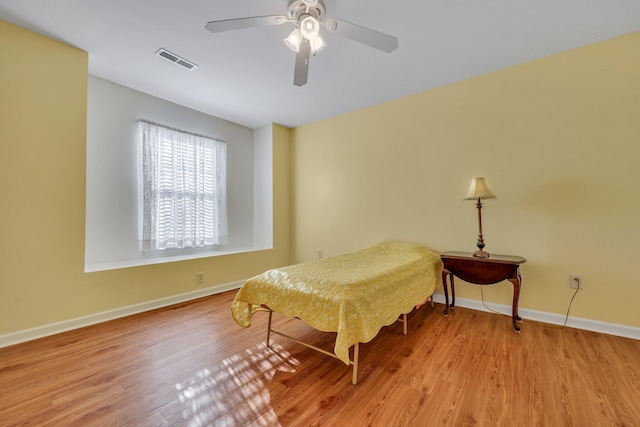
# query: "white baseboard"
{"points": [[551, 318], [80, 322]]}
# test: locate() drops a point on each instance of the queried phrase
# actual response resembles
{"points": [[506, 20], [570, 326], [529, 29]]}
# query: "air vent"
{"points": [[176, 59]]}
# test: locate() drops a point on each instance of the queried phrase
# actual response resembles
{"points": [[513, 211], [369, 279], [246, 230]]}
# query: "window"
{"points": [[183, 189]]}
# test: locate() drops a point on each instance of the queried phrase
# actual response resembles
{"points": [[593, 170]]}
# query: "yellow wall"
{"points": [[558, 140], [43, 99]]}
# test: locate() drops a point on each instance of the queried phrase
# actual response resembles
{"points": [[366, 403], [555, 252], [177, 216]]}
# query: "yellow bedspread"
{"points": [[354, 295]]}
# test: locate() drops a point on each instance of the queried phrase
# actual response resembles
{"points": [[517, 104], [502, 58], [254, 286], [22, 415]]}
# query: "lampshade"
{"points": [[294, 40], [479, 190], [309, 28]]}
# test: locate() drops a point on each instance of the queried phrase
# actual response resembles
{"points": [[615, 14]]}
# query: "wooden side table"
{"points": [[482, 271]]}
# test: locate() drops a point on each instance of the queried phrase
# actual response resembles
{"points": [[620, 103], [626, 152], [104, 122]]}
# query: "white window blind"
{"points": [[183, 186]]}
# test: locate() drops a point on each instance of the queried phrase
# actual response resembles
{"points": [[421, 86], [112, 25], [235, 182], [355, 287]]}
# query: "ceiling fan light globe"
{"points": [[317, 44], [309, 28], [294, 40]]}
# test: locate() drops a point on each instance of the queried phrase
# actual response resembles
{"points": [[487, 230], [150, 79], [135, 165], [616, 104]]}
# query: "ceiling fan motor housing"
{"points": [[299, 9]]}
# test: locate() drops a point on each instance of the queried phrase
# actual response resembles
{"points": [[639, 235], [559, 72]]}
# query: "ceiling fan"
{"points": [[308, 16]]}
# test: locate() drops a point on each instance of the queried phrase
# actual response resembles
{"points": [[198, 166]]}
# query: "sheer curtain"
{"points": [[183, 186]]}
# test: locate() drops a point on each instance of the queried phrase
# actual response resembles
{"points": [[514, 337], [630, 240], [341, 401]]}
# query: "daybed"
{"points": [[354, 295]]}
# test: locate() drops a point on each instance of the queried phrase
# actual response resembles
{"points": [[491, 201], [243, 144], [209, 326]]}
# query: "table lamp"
{"points": [[478, 191]]}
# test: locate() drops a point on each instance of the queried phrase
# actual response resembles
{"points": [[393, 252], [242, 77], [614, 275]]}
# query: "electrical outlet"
{"points": [[575, 281], [199, 278]]}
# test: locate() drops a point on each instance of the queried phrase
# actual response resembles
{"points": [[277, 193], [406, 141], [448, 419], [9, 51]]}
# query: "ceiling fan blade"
{"points": [[302, 64], [362, 35], [241, 23]]}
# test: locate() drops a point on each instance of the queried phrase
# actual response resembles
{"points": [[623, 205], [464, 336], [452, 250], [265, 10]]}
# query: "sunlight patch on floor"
{"points": [[235, 392]]}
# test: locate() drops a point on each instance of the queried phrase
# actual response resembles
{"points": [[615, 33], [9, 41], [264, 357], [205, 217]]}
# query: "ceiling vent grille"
{"points": [[176, 59]]}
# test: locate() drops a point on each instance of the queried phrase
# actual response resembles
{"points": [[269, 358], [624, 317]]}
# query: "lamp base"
{"points": [[481, 254]]}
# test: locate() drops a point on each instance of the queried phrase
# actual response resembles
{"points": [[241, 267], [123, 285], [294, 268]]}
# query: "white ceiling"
{"points": [[246, 76]]}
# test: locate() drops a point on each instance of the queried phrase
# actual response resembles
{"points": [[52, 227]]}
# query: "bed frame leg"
{"points": [[269, 328], [354, 378], [404, 321]]}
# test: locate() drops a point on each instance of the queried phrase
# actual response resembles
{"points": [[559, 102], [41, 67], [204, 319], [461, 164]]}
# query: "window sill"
{"points": [[90, 268]]}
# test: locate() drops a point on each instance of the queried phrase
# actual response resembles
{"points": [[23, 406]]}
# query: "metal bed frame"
{"points": [[356, 346]]}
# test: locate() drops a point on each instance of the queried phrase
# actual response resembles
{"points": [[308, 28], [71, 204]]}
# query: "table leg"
{"points": [[453, 291], [515, 317], [445, 273], [518, 318]]}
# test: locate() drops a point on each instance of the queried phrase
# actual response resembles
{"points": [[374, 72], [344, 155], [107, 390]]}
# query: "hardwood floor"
{"points": [[191, 365]]}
